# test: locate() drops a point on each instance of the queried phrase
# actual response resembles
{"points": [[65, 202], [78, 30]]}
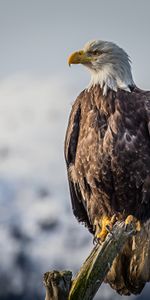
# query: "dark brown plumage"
{"points": [[107, 152]]}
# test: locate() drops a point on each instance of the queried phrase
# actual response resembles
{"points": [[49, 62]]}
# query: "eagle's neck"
{"points": [[111, 77]]}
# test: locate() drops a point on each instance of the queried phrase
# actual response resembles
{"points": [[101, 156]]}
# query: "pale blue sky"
{"points": [[37, 35]]}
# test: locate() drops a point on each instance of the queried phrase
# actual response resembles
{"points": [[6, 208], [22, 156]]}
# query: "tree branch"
{"points": [[91, 275]]}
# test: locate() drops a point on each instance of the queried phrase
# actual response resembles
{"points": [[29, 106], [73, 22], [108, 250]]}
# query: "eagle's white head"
{"points": [[109, 65]]}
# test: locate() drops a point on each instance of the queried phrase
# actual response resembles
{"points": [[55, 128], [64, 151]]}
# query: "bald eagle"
{"points": [[107, 152]]}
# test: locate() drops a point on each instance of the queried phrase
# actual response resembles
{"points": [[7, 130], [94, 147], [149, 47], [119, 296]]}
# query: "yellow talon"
{"points": [[132, 220], [103, 233], [105, 225]]}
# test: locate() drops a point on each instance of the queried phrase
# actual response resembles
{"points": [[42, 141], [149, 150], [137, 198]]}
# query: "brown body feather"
{"points": [[107, 151]]}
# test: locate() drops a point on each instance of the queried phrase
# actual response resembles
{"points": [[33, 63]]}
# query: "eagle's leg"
{"points": [[132, 220], [104, 226]]}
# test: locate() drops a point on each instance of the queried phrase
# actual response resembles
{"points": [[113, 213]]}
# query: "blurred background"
{"points": [[37, 229]]}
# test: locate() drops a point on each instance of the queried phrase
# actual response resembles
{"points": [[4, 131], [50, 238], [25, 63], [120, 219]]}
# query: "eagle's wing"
{"points": [[71, 142], [130, 270]]}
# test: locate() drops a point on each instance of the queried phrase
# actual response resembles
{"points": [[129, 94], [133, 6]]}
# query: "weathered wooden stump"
{"points": [[57, 285], [60, 286]]}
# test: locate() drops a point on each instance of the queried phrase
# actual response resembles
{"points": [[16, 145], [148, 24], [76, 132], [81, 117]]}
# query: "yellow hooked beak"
{"points": [[79, 57]]}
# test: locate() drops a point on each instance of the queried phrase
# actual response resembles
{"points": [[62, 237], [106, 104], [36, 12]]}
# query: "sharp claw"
{"points": [[95, 241], [126, 226], [108, 228]]}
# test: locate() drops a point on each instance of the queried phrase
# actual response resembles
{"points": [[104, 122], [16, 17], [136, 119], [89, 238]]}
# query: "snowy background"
{"points": [[37, 229]]}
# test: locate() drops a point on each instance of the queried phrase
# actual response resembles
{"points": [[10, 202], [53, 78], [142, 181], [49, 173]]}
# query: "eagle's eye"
{"points": [[96, 52]]}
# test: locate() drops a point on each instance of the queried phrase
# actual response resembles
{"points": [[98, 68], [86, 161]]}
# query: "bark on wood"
{"points": [[91, 275], [57, 285]]}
